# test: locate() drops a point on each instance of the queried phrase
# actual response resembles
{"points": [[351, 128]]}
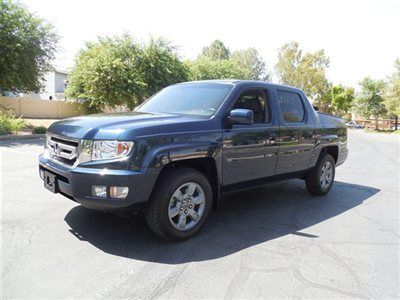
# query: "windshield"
{"points": [[201, 99]]}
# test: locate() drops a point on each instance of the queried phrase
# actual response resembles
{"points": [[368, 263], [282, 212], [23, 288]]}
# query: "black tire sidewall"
{"points": [[324, 159], [169, 184], [313, 179]]}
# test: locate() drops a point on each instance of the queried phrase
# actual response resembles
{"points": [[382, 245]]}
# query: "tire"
{"points": [[165, 201], [317, 183]]}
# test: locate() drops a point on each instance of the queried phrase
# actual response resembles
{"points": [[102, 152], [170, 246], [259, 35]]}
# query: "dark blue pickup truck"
{"points": [[175, 154]]}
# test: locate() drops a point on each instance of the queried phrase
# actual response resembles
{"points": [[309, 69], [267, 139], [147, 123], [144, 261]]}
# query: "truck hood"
{"points": [[121, 126]]}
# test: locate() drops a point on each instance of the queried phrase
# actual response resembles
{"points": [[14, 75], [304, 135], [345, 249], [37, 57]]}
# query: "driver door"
{"points": [[250, 151]]}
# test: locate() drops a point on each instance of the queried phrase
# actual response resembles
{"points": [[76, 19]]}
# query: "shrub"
{"points": [[39, 130], [9, 123]]}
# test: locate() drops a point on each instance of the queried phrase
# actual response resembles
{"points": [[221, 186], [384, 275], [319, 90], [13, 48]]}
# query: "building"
{"points": [[55, 83]]}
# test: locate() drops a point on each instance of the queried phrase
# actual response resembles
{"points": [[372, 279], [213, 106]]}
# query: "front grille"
{"points": [[63, 150]]}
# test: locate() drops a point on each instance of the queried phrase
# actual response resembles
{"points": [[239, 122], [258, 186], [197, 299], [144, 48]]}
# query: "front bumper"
{"points": [[76, 184]]}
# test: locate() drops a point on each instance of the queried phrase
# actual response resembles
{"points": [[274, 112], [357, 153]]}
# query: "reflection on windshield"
{"points": [[198, 99]]}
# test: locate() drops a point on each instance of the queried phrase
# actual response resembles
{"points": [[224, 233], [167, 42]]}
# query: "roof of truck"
{"points": [[241, 82]]}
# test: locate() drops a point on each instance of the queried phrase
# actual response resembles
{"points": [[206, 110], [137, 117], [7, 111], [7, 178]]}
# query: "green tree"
{"points": [[106, 73], [392, 95], [161, 66], [342, 99], [216, 51], [217, 62], [252, 60], [204, 68], [305, 71], [27, 48], [370, 101], [120, 71]]}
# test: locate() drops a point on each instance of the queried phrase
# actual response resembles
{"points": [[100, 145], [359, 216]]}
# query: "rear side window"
{"points": [[291, 107]]}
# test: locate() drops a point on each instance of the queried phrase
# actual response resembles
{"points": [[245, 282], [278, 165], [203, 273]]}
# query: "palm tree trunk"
{"points": [[376, 123]]}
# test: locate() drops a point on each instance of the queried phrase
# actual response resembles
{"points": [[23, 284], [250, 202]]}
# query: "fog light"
{"points": [[41, 172], [119, 191], [99, 191]]}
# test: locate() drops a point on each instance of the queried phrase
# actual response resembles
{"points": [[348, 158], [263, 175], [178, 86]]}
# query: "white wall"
{"points": [[59, 82]]}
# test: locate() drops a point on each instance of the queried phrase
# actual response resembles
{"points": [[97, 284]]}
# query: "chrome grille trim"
{"points": [[82, 150], [60, 147]]}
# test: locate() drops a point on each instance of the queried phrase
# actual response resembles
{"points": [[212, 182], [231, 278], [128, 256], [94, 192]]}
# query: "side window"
{"points": [[291, 107], [256, 101]]}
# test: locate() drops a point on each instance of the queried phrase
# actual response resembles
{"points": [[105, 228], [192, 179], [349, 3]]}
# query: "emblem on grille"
{"points": [[57, 149]]}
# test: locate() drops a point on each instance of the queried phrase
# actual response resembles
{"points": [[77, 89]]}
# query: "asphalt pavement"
{"points": [[277, 241]]}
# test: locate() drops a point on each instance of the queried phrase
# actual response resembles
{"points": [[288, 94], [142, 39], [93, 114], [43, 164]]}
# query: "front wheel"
{"points": [[180, 204], [320, 180]]}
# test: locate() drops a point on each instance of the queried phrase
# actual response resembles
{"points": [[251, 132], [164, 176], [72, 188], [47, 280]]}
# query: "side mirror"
{"points": [[241, 116], [316, 108]]}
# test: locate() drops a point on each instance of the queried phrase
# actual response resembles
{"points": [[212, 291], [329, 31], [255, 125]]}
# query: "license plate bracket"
{"points": [[50, 182]]}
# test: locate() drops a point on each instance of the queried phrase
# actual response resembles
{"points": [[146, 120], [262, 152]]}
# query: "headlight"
{"points": [[110, 149]]}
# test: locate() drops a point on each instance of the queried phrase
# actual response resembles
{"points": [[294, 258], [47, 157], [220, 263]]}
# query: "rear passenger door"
{"points": [[296, 132], [250, 151]]}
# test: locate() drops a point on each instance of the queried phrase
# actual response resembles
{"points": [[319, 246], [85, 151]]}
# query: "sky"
{"points": [[361, 38]]}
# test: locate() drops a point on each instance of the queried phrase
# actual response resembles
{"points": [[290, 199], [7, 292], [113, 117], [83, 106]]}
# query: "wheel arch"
{"points": [[332, 150], [205, 165]]}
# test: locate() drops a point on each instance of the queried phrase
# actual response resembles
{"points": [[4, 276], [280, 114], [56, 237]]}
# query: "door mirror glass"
{"points": [[241, 116]]}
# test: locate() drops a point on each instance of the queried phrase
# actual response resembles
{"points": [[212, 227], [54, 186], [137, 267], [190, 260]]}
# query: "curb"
{"points": [[20, 137]]}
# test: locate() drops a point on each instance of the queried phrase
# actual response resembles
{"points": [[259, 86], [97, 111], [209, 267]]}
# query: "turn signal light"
{"points": [[119, 192]]}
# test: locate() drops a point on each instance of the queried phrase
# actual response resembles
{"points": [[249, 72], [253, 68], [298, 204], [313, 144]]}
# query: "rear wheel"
{"points": [[180, 204], [320, 180]]}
